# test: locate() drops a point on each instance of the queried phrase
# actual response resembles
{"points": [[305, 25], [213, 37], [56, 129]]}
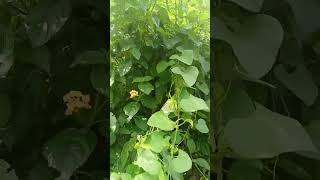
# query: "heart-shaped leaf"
{"points": [[160, 120], [148, 162], [265, 134], [68, 150], [131, 109], [293, 81], [185, 57], [182, 162], [189, 74], [202, 126], [256, 43], [190, 103]]}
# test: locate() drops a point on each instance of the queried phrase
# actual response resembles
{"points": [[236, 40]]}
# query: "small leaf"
{"points": [[124, 67], [191, 145], [190, 103], [186, 57], [136, 53], [163, 65], [189, 74], [182, 162], [202, 126], [113, 122], [148, 162], [131, 109], [145, 87], [160, 120], [142, 79]]}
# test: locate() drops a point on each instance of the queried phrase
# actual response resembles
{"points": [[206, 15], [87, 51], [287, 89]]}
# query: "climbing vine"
{"points": [[160, 74]]}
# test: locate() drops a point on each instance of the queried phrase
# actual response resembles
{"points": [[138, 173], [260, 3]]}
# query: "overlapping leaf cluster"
{"points": [[49, 48], [266, 58], [159, 89]]}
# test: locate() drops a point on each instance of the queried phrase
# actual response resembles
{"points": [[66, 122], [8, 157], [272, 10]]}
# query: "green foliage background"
{"points": [[266, 81], [48, 48], [160, 49]]}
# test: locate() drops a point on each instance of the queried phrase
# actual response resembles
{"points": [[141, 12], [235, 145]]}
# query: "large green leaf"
{"points": [[182, 162], [68, 150], [300, 82], [202, 163], [255, 43], [185, 57], [189, 74], [46, 19], [252, 5], [149, 162], [190, 103], [158, 141], [5, 109], [160, 120], [145, 87], [265, 134]]}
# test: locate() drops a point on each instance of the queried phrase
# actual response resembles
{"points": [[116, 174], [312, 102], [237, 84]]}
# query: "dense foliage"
{"points": [[53, 88], [266, 78], [159, 95]]}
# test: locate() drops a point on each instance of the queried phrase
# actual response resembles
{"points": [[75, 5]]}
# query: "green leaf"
{"points": [[256, 58], [185, 57], [98, 78], [157, 141], [142, 79], [5, 109], [202, 162], [245, 170], [163, 65], [189, 74], [191, 145], [300, 82], [294, 169], [252, 5], [202, 126], [160, 120], [90, 58], [190, 103], [5, 172], [148, 162], [265, 134], [68, 150], [113, 122], [146, 87], [124, 67], [120, 176], [46, 19], [170, 106], [203, 87], [136, 53], [145, 176], [182, 162], [131, 109]]}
